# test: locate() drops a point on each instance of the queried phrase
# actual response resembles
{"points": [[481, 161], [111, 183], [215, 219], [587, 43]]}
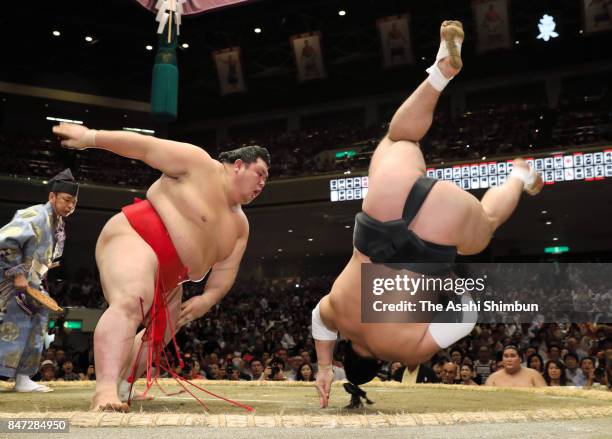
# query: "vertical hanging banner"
{"points": [[395, 41], [492, 24], [229, 70], [597, 15], [308, 57], [168, 15]]}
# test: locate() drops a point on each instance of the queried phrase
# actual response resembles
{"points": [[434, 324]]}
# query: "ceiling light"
{"points": [[347, 227], [517, 42], [555, 239], [280, 250], [342, 13], [88, 39], [56, 33], [185, 46], [149, 47], [257, 30], [310, 239], [544, 212], [548, 223], [290, 230]]}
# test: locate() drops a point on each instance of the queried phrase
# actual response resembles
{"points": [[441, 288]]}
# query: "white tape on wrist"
{"points": [[319, 331]]}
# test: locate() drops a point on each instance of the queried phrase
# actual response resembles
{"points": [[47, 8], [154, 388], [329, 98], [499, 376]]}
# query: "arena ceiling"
{"points": [[116, 63]]}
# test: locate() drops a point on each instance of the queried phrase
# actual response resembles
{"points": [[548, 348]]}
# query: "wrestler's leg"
{"points": [[485, 216], [174, 310], [127, 266], [413, 118]]}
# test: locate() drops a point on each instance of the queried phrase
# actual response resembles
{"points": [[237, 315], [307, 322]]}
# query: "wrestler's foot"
{"points": [[124, 393], [137, 395], [533, 182], [451, 34], [108, 402], [24, 384]]}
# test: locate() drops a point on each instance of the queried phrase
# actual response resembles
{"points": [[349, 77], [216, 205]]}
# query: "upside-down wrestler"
{"points": [[407, 217]]}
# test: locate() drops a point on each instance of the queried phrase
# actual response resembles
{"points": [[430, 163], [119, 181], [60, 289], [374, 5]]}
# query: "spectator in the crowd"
{"points": [[194, 372], [484, 365], [295, 363], [222, 371], [574, 374], [456, 356], [304, 373], [91, 373], [535, 362], [512, 374], [437, 368], [233, 374], [47, 371], [554, 352], [467, 375], [573, 346], [60, 357], [306, 357], [420, 373], [213, 372], [587, 364], [68, 373], [554, 373], [274, 371], [393, 368], [256, 370], [449, 372]]}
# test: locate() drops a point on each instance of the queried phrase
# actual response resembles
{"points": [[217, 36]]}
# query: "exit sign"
{"points": [[556, 250]]}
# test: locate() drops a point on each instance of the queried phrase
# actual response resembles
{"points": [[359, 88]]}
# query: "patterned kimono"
{"points": [[28, 245]]}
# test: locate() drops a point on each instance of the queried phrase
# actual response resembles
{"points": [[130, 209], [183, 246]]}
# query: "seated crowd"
{"points": [[495, 129], [266, 336]]}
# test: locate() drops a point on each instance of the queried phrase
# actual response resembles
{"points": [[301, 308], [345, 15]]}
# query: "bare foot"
{"points": [[451, 33], [140, 396], [108, 402]]}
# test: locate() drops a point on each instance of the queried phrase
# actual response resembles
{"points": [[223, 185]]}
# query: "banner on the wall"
{"points": [[597, 15], [492, 24], [229, 70], [395, 41], [308, 57]]}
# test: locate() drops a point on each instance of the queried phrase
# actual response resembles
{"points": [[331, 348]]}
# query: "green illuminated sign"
{"points": [[556, 250], [68, 324], [346, 154]]}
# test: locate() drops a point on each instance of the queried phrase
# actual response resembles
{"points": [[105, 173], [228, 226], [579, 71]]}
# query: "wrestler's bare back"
{"points": [[202, 224]]}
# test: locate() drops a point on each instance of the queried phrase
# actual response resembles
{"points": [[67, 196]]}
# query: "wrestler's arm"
{"points": [[324, 348], [170, 157], [490, 380], [221, 279]]}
